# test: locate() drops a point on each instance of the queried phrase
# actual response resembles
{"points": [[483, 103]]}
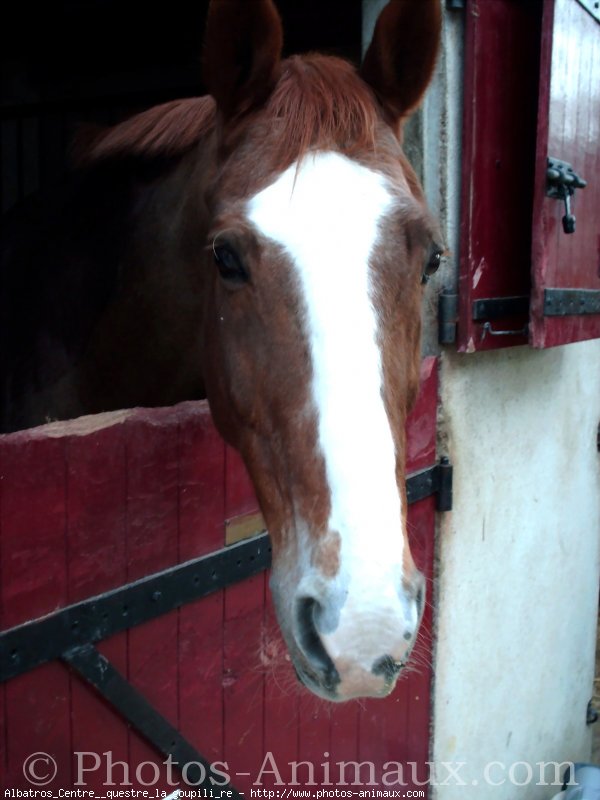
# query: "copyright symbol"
{"points": [[39, 769]]}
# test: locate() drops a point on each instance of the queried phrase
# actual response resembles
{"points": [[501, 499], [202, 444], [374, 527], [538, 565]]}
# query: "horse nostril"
{"points": [[309, 639], [417, 590], [420, 599]]}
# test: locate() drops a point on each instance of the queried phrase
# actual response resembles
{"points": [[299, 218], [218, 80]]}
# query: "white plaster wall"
{"points": [[517, 593]]}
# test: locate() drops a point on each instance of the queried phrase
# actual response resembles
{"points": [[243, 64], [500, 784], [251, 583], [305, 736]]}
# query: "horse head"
{"points": [[318, 245]]}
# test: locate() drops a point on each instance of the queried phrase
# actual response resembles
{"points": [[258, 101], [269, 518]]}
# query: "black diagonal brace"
{"points": [[33, 643], [94, 668]]}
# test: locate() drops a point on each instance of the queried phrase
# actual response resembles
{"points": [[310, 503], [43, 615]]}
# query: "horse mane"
{"points": [[164, 131], [319, 102]]}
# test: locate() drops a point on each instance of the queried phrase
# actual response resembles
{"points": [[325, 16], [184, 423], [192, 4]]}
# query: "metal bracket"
{"points": [[493, 308], [567, 302], [97, 670], [33, 643]]}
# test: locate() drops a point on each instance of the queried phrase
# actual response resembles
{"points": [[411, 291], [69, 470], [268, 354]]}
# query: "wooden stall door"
{"points": [[89, 505]]}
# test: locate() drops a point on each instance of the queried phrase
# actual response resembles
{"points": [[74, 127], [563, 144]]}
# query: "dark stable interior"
{"points": [[98, 61]]}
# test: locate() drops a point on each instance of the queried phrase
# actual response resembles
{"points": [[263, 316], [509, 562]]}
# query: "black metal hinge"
{"points": [[447, 317], [434, 480]]}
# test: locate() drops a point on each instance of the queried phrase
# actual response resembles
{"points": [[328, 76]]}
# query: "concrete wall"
{"points": [[517, 596], [519, 556]]}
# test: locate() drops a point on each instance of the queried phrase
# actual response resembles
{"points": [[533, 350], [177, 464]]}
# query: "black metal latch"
{"points": [[561, 182]]}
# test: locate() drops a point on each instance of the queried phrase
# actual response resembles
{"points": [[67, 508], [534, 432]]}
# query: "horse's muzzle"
{"points": [[363, 655]]}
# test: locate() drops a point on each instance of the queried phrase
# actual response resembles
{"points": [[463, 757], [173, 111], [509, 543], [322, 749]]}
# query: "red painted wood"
{"points": [[96, 546], [568, 129], [499, 130], [201, 530], [282, 698], [201, 484], [314, 735], [34, 578], [147, 490], [3, 733], [243, 680], [38, 720], [422, 542], [243, 674], [34, 582], [240, 497], [152, 545], [396, 729]]}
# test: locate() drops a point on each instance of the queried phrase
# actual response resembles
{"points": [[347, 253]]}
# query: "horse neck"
{"points": [[154, 323]]}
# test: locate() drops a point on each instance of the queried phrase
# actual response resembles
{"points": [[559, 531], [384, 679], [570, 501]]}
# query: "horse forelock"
{"points": [[321, 103]]}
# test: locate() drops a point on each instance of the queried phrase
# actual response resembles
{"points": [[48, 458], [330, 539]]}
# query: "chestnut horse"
{"points": [[267, 245]]}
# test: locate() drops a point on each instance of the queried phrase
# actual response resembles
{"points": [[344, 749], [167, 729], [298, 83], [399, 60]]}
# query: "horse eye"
{"points": [[433, 264], [230, 265]]}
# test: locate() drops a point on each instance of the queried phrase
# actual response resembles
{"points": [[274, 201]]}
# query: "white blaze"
{"points": [[326, 215]]}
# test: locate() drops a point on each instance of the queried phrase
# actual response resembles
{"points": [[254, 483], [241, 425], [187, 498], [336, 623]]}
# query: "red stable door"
{"points": [[93, 507]]}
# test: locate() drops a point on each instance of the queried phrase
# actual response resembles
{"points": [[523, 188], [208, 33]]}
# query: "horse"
{"points": [[264, 246]]}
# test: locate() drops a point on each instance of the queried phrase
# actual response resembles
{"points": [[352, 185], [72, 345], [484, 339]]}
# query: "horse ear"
{"points": [[242, 53], [401, 57]]}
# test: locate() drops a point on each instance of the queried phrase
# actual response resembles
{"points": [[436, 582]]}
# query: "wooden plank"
{"points": [[152, 545], [201, 483], [96, 547], [240, 495], [201, 521], [345, 736], [397, 729], [422, 517], [3, 719], [34, 579], [243, 679], [314, 735], [3, 738], [34, 582], [281, 699]]}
